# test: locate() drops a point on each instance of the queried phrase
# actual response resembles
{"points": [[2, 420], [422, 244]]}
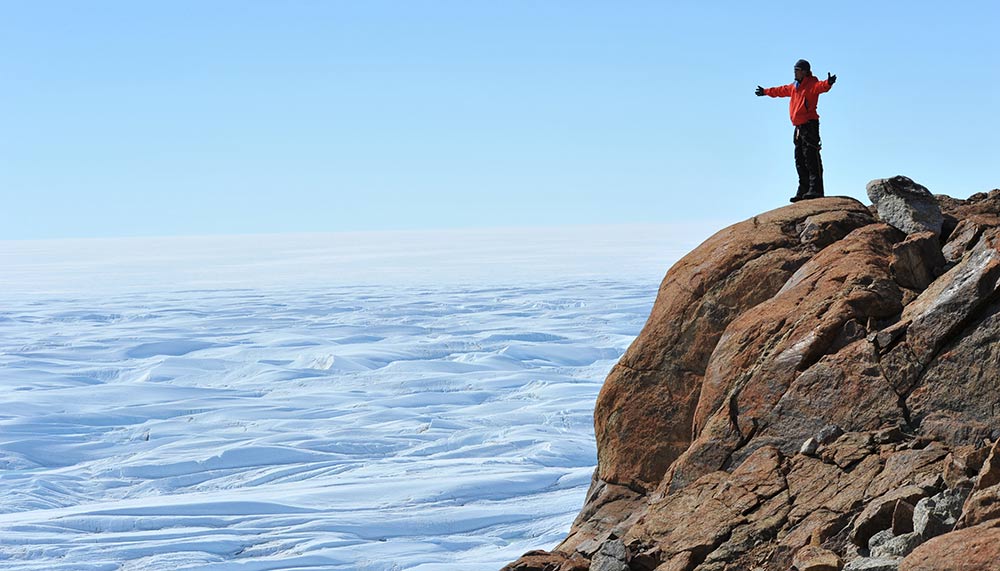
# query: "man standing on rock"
{"points": [[802, 109]]}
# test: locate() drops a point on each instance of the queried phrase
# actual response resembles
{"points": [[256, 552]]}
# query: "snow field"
{"points": [[342, 427]]}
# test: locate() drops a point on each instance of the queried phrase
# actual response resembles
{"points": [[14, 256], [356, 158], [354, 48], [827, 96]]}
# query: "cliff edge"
{"points": [[817, 388]]}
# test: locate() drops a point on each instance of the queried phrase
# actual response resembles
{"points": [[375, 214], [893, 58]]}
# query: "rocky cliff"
{"points": [[817, 388]]}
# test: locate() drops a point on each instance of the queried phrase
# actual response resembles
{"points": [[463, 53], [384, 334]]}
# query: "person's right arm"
{"points": [[780, 91]]}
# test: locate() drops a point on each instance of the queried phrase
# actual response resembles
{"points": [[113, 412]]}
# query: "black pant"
{"points": [[807, 160]]}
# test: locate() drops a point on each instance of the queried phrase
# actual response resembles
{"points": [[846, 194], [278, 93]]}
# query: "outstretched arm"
{"points": [[781, 91], [830, 80], [824, 85]]}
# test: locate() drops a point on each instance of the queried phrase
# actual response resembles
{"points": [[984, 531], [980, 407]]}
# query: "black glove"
{"points": [[831, 78], [760, 91]]}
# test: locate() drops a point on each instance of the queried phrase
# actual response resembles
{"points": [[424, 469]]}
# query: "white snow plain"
{"points": [[386, 401]]}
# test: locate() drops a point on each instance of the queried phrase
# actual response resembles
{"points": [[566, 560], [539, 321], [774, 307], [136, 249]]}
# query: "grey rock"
{"points": [[591, 546], [905, 205], [828, 434], [938, 514], [880, 539], [874, 564], [809, 447], [899, 546], [925, 521], [611, 557]]}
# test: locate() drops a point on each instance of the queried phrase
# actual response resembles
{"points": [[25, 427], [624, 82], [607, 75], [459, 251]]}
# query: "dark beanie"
{"points": [[803, 65]]}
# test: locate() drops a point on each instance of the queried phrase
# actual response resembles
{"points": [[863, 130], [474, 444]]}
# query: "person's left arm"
{"points": [[824, 85]]}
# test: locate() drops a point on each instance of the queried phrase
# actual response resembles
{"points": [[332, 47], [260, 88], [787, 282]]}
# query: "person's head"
{"points": [[802, 69]]}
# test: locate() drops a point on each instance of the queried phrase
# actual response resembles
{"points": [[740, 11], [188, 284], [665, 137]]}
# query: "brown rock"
{"points": [[812, 558], [721, 516], [683, 561], [964, 464], [760, 339], [983, 503], [902, 518], [901, 368], [825, 228], [824, 494], [940, 310], [644, 558], [889, 435], [849, 449], [955, 336], [545, 561], [979, 203], [973, 549], [643, 415], [989, 475], [791, 345], [916, 260], [887, 338], [608, 510], [878, 515], [815, 529], [907, 467], [967, 234], [982, 506]]}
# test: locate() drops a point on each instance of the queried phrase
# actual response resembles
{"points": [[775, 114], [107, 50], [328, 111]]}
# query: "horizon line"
{"points": [[384, 232]]}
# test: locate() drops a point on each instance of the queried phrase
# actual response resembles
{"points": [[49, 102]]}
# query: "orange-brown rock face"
{"points": [[973, 549], [643, 415], [813, 387], [768, 381]]}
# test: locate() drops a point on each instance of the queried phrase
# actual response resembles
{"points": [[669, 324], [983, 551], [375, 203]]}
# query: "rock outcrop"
{"points": [[905, 205], [816, 388]]}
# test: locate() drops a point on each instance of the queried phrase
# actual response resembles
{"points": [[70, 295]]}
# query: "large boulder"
{"points": [[938, 514], [972, 549], [782, 369], [876, 345], [643, 415], [951, 350], [906, 205]]}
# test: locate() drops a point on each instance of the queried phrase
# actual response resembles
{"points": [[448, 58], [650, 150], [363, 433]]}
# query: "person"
{"points": [[802, 109]]}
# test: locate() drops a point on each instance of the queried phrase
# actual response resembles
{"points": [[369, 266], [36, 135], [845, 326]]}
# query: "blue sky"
{"points": [[223, 117]]}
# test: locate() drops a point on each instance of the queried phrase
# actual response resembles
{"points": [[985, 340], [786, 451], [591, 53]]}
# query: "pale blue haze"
{"points": [[193, 118]]}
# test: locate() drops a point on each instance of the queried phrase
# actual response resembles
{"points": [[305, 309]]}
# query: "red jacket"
{"points": [[805, 97]]}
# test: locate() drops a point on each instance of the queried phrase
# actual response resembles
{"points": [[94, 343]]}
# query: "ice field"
{"points": [[384, 401]]}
